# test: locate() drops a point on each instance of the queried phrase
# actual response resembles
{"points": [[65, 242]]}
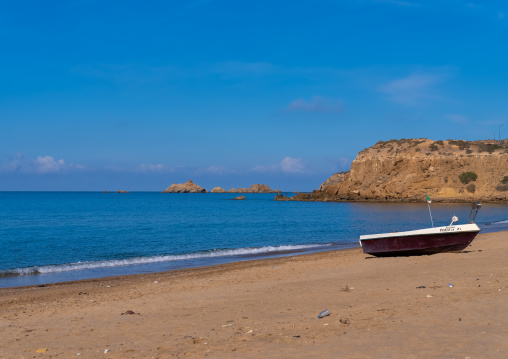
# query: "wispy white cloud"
{"points": [[13, 163], [459, 119], [341, 163], [239, 67], [486, 8], [287, 165], [46, 164], [412, 89], [292, 165], [134, 73], [316, 104], [153, 168], [397, 2], [42, 164], [494, 123], [264, 169], [215, 170]]}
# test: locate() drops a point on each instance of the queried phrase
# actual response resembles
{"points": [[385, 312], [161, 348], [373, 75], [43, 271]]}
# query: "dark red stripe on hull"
{"points": [[418, 244]]}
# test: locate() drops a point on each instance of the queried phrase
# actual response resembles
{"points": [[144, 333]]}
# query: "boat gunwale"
{"points": [[462, 228]]}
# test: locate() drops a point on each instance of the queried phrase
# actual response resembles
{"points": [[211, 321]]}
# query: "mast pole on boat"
{"points": [[428, 204], [474, 211]]}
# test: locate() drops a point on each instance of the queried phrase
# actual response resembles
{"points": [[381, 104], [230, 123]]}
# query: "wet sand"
{"points": [[379, 308]]}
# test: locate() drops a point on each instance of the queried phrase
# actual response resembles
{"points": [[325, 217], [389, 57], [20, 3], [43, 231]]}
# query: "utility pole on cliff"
{"points": [[500, 131]]}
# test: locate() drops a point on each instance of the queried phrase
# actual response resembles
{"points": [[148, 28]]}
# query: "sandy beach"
{"points": [[379, 308]]}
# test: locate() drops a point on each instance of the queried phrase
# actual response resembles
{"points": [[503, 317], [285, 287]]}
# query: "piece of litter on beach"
{"points": [[250, 331], [325, 324], [106, 351], [324, 313], [41, 350], [227, 325], [450, 285], [156, 282], [429, 296], [420, 287]]}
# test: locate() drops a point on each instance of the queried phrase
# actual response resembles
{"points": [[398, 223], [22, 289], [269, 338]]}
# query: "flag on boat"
{"points": [[428, 200]]}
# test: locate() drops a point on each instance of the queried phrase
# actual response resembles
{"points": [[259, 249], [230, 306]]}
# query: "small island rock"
{"points": [[218, 190], [187, 187], [255, 188]]}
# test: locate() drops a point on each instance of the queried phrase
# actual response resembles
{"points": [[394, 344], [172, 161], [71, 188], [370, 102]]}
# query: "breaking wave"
{"points": [[501, 222], [156, 259]]}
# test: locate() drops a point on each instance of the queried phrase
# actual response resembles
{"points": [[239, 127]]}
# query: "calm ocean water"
{"points": [[50, 237]]}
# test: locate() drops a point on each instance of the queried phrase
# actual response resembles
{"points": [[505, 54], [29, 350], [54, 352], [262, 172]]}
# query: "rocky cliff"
{"points": [[333, 180], [408, 170]]}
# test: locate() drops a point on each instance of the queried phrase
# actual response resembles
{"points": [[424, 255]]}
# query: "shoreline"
{"points": [[321, 196], [89, 270], [399, 307], [35, 279], [159, 266]]}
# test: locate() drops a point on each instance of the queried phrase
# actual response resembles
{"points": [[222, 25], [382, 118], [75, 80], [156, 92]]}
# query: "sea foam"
{"points": [[238, 252]]}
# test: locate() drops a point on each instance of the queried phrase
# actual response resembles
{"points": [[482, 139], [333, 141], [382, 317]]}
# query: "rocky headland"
{"points": [[410, 169]]}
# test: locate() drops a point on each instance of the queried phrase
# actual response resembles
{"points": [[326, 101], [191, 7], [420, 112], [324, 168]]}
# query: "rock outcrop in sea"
{"points": [[187, 187], [218, 190], [410, 169], [255, 188], [191, 187]]}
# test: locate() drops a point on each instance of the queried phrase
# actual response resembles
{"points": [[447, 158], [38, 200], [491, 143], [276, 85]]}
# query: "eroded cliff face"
{"points": [[408, 170]]}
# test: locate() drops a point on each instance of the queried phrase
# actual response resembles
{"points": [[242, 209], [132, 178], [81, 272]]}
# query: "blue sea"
{"points": [[48, 237]]}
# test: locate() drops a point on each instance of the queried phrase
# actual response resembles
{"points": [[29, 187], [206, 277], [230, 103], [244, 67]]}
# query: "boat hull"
{"points": [[422, 242]]}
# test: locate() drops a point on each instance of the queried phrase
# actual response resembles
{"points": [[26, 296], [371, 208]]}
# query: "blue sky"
{"points": [[107, 95]]}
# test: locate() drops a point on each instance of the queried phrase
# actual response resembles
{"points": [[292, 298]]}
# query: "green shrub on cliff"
{"points": [[467, 177], [488, 147], [459, 143], [504, 180], [502, 187]]}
